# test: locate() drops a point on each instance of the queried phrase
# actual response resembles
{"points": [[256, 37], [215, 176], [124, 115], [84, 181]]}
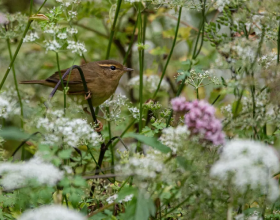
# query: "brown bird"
{"points": [[102, 78]]}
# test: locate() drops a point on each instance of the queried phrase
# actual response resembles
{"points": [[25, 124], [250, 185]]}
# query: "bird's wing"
{"points": [[73, 77]]}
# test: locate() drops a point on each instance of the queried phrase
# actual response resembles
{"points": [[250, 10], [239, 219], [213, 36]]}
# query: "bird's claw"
{"points": [[99, 127], [88, 95]]}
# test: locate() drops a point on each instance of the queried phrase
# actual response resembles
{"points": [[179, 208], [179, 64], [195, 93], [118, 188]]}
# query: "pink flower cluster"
{"points": [[200, 119]]}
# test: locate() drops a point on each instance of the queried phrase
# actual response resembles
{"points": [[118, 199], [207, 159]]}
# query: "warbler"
{"points": [[102, 78]]}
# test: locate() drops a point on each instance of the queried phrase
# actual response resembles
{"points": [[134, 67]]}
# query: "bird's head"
{"points": [[113, 69]]}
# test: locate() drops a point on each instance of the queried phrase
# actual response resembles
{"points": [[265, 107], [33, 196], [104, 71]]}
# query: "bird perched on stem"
{"points": [[102, 78]]}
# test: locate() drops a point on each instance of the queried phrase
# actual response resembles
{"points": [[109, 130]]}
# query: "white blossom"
{"points": [[141, 166], [76, 47], [113, 198], [17, 175], [31, 37], [135, 112], [51, 212], [52, 45], [220, 4], [174, 137], [72, 31], [249, 164], [8, 104], [62, 36], [74, 132]]}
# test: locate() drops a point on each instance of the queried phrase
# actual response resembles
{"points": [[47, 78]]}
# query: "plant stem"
{"points": [[194, 56], [140, 52], [131, 42], [113, 29], [20, 43], [171, 51], [16, 85], [278, 45], [62, 83]]}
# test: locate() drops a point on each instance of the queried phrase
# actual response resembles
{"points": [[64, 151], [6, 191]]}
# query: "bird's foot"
{"points": [[88, 95], [99, 126]]}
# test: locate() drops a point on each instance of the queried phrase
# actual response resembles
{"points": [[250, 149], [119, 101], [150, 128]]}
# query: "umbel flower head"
{"points": [[248, 165], [51, 212], [200, 119], [17, 175]]}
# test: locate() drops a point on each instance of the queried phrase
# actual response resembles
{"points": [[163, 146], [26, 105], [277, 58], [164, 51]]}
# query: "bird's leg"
{"points": [[99, 126], [88, 95]]}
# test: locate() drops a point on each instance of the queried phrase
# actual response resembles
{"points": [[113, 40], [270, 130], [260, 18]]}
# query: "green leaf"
{"points": [[13, 133], [182, 162], [153, 142], [79, 181], [148, 132], [144, 208], [65, 154]]}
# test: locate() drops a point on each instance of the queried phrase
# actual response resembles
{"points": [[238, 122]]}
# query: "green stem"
{"points": [[15, 55], [62, 83], [123, 133], [171, 51], [113, 29], [20, 43], [278, 45], [131, 42], [197, 93], [41, 6], [194, 56], [16, 84]]}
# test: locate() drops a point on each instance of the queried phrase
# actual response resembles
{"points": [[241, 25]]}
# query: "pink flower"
{"points": [[200, 119]]}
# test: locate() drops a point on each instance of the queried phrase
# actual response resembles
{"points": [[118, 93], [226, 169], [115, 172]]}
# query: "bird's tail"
{"points": [[33, 82]]}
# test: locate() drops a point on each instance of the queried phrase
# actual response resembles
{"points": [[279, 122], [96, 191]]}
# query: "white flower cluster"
{"points": [[135, 112], [52, 45], [113, 198], [67, 3], [31, 37], [143, 167], [17, 175], [8, 104], [115, 104], [76, 47], [73, 132], [196, 78], [268, 60], [52, 212], [150, 82], [248, 164], [220, 4], [174, 137]]}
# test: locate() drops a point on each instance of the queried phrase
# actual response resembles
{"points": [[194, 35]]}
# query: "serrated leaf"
{"points": [[153, 142], [65, 154], [148, 132]]}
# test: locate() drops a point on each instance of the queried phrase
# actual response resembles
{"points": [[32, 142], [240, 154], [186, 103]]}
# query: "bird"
{"points": [[102, 78]]}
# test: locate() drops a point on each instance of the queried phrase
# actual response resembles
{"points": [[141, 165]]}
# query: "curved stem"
{"points": [[113, 29], [171, 51], [16, 84], [62, 83]]}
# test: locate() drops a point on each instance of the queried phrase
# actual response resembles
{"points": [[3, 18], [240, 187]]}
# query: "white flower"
{"points": [[51, 212], [142, 167], [150, 82], [174, 137], [52, 45], [17, 175], [72, 30], [76, 47], [62, 35], [113, 198], [135, 112], [220, 4], [72, 14], [31, 37], [250, 164], [8, 104], [74, 132]]}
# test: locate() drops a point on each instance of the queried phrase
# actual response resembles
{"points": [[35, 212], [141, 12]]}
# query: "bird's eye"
{"points": [[113, 67]]}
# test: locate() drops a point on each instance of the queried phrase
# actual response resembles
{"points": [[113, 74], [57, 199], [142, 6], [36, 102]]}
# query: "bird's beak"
{"points": [[127, 69]]}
